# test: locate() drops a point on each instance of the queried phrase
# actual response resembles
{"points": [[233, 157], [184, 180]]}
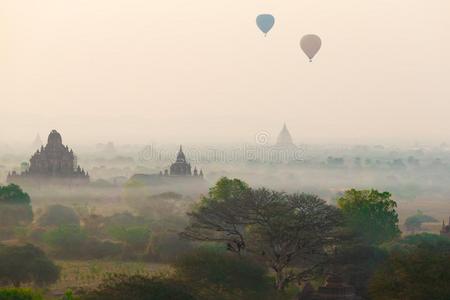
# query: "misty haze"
{"points": [[215, 150]]}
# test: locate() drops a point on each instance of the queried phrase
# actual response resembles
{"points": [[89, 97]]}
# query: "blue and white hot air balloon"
{"points": [[265, 22]]}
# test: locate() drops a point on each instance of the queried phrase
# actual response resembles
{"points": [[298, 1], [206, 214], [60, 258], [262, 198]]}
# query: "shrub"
{"points": [[57, 215], [136, 237], [137, 287], [24, 264], [19, 294], [236, 277], [95, 248], [15, 210], [66, 239], [168, 246]]}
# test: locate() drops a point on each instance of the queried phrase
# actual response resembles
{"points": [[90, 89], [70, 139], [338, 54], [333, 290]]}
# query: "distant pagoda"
{"points": [[284, 139], [54, 163]]}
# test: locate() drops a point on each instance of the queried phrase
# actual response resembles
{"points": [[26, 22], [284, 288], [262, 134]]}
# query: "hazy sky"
{"points": [[200, 71]]}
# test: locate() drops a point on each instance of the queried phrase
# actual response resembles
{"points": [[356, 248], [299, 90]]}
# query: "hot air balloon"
{"points": [[265, 22], [310, 44]]}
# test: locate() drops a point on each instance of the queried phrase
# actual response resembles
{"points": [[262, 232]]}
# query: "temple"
{"points": [[178, 177], [284, 150], [284, 139], [181, 167], [54, 163], [445, 230]]}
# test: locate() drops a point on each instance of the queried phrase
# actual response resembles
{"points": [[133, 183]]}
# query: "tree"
{"points": [[56, 215], [414, 223], [370, 214], [25, 264], [67, 240], [282, 230], [236, 277], [138, 287], [221, 216], [288, 231], [15, 208], [136, 237], [416, 269]]}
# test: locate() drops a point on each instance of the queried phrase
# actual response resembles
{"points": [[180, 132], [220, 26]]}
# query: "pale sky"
{"points": [[134, 71]]}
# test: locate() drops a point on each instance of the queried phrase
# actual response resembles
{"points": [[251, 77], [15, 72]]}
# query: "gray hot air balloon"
{"points": [[310, 44], [265, 22]]}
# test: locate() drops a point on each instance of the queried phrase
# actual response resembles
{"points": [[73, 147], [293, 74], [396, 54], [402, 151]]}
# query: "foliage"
{"points": [[370, 214], [167, 246], [227, 188], [416, 269], [283, 230], [19, 294], [138, 287], [136, 237], [24, 264], [66, 239], [57, 215], [95, 248], [236, 277], [15, 209], [13, 194], [414, 223], [357, 263]]}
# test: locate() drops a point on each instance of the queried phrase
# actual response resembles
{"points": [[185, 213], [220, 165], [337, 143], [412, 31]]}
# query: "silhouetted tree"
{"points": [[25, 264]]}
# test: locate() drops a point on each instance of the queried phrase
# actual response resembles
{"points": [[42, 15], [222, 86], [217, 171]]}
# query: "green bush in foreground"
{"points": [[138, 287], [19, 294]]}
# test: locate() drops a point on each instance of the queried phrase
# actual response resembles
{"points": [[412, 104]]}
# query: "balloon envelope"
{"points": [[265, 22], [310, 44]]}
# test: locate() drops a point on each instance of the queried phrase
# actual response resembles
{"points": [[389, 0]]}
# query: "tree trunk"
{"points": [[280, 280]]}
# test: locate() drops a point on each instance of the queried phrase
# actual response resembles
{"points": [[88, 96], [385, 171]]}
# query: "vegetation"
{"points": [[371, 215], [417, 268], [19, 294], [15, 209], [237, 242], [284, 231], [139, 287], [59, 215], [26, 264], [66, 240], [414, 223], [236, 277]]}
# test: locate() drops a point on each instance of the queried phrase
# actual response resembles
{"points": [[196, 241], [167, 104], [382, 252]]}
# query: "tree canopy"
{"points": [[414, 223], [283, 230], [370, 214], [417, 268], [15, 208], [139, 287], [24, 264]]}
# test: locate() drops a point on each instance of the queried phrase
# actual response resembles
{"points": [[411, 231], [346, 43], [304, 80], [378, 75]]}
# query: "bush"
{"points": [[67, 240], [95, 248], [168, 246], [137, 287], [136, 237], [417, 268], [58, 215], [15, 210], [236, 277], [19, 294], [25, 264]]}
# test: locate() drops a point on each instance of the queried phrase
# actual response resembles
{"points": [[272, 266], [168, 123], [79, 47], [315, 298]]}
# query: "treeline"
{"points": [[237, 242]]}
